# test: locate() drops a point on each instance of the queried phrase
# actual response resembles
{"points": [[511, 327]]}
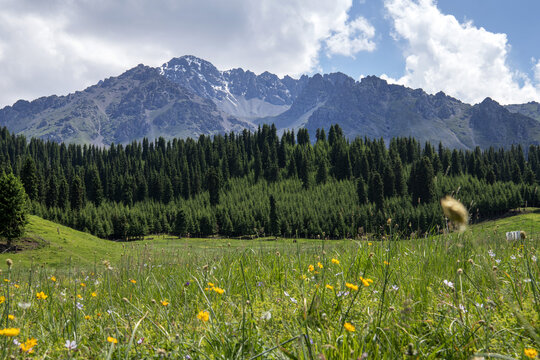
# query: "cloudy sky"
{"points": [[468, 49]]}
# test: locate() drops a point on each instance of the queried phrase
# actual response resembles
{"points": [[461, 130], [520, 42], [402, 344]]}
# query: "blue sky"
{"points": [[468, 49]]}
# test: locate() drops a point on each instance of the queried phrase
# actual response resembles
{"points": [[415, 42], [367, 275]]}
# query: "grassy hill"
{"points": [[52, 245]]}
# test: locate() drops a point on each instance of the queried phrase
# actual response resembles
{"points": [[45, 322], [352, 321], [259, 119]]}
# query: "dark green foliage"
{"points": [[126, 192], [13, 207], [274, 220], [29, 179]]}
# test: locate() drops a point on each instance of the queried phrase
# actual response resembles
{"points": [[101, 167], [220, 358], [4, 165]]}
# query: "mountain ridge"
{"points": [[188, 96]]}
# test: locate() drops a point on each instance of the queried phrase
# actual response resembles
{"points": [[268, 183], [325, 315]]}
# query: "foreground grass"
{"points": [[448, 297]]}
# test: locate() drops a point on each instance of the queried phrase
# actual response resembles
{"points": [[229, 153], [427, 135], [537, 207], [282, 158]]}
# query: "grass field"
{"points": [[455, 296]]}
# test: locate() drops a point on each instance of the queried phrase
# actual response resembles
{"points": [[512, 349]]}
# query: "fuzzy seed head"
{"points": [[9, 263], [455, 211]]}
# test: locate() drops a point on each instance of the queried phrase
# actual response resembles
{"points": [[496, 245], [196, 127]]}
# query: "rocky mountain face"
{"points": [[139, 103], [188, 96], [237, 92]]}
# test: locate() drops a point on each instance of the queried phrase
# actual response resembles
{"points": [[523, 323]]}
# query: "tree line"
{"points": [[261, 183]]}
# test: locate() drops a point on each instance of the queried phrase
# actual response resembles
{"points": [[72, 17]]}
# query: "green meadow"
{"points": [[451, 296]]}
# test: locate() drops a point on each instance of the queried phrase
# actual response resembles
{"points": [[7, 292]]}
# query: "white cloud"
{"points": [[351, 38], [57, 46], [463, 60]]}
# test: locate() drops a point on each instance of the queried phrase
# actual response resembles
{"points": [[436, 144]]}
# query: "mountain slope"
{"points": [[139, 103]]}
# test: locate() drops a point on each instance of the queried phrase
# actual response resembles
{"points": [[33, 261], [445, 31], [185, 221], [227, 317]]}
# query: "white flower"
{"points": [[96, 282], [267, 315], [533, 258], [491, 253], [462, 308], [16, 342], [513, 257], [498, 261], [140, 341], [342, 293], [527, 280], [375, 292], [24, 305], [479, 305], [79, 305], [286, 294], [448, 283], [71, 345], [395, 287], [340, 273], [109, 311], [294, 300]]}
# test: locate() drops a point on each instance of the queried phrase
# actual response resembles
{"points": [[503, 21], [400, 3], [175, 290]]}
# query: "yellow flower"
{"points": [[98, 314], [132, 281], [2, 299], [28, 345], [366, 282], [10, 332], [41, 295], [83, 284], [112, 340], [16, 286], [79, 296], [207, 289], [164, 302], [11, 317], [6, 280], [94, 294], [335, 261], [330, 287], [349, 327], [211, 284], [218, 290], [530, 353], [386, 262], [203, 315], [53, 278], [311, 268], [87, 317], [319, 265], [369, 244], [352, 286]]}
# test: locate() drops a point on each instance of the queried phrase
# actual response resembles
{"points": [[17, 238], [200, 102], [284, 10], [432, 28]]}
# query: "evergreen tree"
{"points": [[51, 196], [214, 185], [376, 190], [361, 191], [274, 221], [76, 193], [13, 208], [29, 179]]}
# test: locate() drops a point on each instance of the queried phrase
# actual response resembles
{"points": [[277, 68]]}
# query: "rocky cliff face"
{"points": [[189, 96]]}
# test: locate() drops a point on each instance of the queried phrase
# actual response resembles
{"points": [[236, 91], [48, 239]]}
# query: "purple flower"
{"points": [[140, 341], [260, 283], [186, 285]]}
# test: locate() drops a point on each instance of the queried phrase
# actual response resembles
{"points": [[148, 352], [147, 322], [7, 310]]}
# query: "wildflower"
{"points": [[389, 222], [386, 262], [187, 284], [530, 353], [533, 258], [286, 294], [462, 308], [203, 316], [211, 284], [10, 332], [460, 271], [320, 265], [266, 315], [260, 283], [140, 341], [132, 281], [369, 243], [349, 327], [53, 278], [9, 263], [11, 317], [94, 294], [164, 302], [16, 286], [395, 287], [24, 305], [28, 345], [2, 299], [513, 257], [311, 268], [293, 300], [71, 345], [335, 261], [330, 287], [79, 296], [107, 264], [79, 306], [41, 295], [498, 261], [342, 293], [112, 340], [352, 286], [491, 253], [83, 284], [87, 317], [448, 283], [366, 282], [6, 280], [455, 211], [219, 290]]}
